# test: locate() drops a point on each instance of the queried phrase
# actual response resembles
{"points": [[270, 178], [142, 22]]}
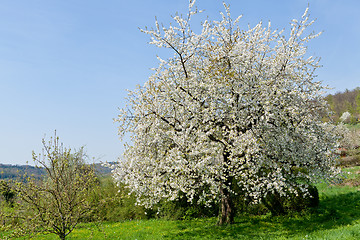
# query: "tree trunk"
{"points": [[226, 211], [62, 236]]}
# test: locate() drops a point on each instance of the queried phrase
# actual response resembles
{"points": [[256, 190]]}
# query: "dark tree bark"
{"points": [[227, 212], [62, 236], [226, 215]]}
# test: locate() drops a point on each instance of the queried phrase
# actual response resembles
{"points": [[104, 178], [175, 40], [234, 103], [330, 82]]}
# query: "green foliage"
{"points": [[347, 101], [357, 101], [113, 203], [7, 192], [58, 202], [17, 172], [336, 217], [181, 208], [294, 202], [9, 216], [8, 206]]}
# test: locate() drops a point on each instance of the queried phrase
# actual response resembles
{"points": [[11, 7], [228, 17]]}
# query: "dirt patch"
{"points": [[350, 161], [350, 183]]}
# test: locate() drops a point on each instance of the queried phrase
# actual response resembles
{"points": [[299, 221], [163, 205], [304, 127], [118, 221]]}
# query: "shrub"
{"points": [[307, 197], [181, 208], [113, 203]]}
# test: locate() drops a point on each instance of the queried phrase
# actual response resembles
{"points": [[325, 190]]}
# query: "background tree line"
{"points": [[8, 171], [347, 101], [17, 172]]}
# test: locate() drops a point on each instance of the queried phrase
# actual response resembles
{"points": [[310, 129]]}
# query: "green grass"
{"points": [[337, 217]]}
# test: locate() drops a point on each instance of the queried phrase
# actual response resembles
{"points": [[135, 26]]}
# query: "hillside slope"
{"points": [[347, 101], [17, 172]]}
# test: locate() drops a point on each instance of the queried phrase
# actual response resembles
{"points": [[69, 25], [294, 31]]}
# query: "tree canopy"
{"points": [[58, 202], [231, 107]]}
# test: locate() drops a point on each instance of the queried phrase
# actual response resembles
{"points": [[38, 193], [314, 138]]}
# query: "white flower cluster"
{"points": [[231, 106], [345, 116]]}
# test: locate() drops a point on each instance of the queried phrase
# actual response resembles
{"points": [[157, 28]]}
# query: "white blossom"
{"points": [[231, 106], [345, 116]]}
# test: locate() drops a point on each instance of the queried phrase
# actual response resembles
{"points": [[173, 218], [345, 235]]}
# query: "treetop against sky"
{"points": [[66, 65]]}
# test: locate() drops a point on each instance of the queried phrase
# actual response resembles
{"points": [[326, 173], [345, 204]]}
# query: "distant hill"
{"points": [[17, 172], [102, 170], [347, 101]]}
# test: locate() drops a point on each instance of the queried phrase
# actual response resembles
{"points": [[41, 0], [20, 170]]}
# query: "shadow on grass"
{"points": [[334, 211]]}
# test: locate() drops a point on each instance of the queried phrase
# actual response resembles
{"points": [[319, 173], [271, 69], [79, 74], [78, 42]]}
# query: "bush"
{"points": [[182, 209], [274, 203], [7, 192], [280, 205], [113, 203], [245, 206]]}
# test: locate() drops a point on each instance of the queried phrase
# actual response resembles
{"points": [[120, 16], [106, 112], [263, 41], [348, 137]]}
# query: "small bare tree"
{"points": [[59, 202]]}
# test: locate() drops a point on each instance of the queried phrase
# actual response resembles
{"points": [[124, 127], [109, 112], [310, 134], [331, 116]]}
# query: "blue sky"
{"points": [[66, 65]]}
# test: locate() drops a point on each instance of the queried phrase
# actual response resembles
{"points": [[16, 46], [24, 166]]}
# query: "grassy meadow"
{"points": [[337, 217]]}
